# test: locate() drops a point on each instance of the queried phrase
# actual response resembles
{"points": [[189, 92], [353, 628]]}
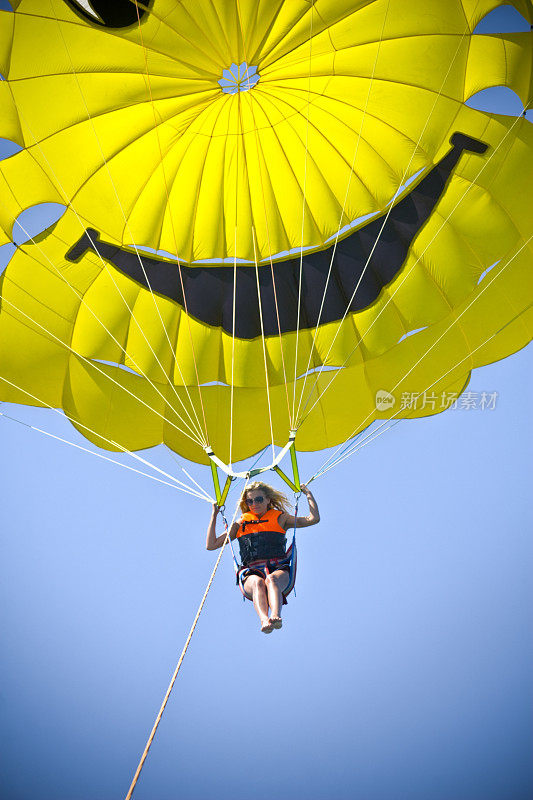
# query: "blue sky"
{"points": [[403, 671]]}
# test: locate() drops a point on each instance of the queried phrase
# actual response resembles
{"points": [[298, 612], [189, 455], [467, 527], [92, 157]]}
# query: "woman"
{"points": [[265, 572]]}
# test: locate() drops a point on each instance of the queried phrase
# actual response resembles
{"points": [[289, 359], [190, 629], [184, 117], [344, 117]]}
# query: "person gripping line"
{"points": [[265, 572]]}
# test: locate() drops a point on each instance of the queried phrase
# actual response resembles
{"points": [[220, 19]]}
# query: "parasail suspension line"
{"points": [[93, 365], [179, 484], [303, 218], [391, 205], [345, 450], [296, 414], [265, 216], [188, 490], [100, 322], [127, 227], [167, 192], [472, 183]]}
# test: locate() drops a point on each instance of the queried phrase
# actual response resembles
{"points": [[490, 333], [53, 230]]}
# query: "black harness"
{"points": [[261, 545]]}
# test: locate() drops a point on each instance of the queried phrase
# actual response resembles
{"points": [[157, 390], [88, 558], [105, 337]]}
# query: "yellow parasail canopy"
{"points": [[278, 215]]}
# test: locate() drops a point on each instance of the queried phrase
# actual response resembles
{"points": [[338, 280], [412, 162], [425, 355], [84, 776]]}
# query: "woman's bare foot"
{"points": [[276, 622], [266, 626]]}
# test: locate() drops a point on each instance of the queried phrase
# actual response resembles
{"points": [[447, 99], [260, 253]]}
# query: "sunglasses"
{"points": [[255, 500]]}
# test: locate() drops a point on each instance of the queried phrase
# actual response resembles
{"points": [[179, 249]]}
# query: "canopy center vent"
{"points": [[238, 78]]}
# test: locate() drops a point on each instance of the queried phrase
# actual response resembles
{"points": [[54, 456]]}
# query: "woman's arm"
{"points": [[288, 520], [213, 542]]}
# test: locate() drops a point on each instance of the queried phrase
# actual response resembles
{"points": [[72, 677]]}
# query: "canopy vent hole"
{"points": [[35, 220], [504, 19], [8, 148], [497, 100], [239, 78]]}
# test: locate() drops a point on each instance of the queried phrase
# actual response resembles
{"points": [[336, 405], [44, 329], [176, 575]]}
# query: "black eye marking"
{"points": [[359, 272], [110, 13]]}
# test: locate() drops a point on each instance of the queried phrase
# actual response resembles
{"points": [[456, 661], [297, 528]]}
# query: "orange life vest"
{"points": [[261, 538], [251, 523]]}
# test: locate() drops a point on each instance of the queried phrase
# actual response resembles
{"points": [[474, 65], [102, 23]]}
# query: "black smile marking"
{"points": [[209, 290]]}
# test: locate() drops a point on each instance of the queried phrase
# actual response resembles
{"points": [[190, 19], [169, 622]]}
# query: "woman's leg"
{"points": [[276, 582], [254, 588]]}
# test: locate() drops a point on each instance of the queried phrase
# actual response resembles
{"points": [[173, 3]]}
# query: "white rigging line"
{"points": [[114, 445], [377, 432], [95, 366], [265, 217], [105, 458], [391, 206], [264, 346], [334, 250], [78, 294], [202, 490], [196, 431], [232, 390], [497, 272], [127, 227], [171, 217], [408, 272], [293, 416], [234, 298], [299, 305]]}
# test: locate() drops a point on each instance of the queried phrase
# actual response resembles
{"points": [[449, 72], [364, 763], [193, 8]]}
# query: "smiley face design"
{"points": [[271, 213]]}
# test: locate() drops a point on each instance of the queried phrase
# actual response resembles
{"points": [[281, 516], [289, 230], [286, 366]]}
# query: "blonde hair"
{"points": [[276, 499]]}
